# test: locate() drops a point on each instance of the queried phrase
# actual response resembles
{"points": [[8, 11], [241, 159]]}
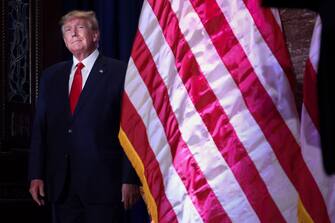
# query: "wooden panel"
{"points": [[20, 69]]}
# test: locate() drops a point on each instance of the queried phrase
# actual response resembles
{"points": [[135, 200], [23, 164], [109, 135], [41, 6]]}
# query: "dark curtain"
{"points": [[118, 21]]}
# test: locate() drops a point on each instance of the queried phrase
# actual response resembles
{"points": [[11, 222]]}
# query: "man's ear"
{"points": [[96, 37], [64, 41]]}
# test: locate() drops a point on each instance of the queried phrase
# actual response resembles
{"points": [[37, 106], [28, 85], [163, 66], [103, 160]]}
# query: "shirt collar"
{"points": [[88, 61]]}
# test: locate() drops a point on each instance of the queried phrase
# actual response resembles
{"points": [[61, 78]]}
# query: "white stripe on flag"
{"points": [[276, 14], [209, 159], [232, 101], [175, 112], [174, 187], [310, 138], [315, 44], [311, 151], [265, 64]]}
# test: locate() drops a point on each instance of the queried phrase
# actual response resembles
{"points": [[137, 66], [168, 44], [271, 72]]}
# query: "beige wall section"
{"points": [[298, 28]]}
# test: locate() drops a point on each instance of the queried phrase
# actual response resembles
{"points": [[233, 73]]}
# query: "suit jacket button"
{"points": [[69, 131]]}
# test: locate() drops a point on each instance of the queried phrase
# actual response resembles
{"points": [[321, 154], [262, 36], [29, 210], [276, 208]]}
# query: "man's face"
{"points": [[79, 38]]}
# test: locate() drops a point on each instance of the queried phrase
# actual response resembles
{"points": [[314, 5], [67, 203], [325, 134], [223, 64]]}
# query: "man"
{"points": [[76, 161], [325, 8]]}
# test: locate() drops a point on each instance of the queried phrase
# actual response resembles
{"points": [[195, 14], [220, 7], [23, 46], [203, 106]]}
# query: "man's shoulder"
{"points": [[116, 68], [57, 66], [51, 71], [113, 62]]}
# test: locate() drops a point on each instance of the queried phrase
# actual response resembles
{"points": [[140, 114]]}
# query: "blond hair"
{"points": [[79, 14]]}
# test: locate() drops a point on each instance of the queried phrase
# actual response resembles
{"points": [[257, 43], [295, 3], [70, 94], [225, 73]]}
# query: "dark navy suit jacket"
{"points": [[325, 85], [83, 146]]}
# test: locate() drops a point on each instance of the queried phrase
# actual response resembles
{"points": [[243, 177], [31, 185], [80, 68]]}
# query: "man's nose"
{"points": [[74, 32]]}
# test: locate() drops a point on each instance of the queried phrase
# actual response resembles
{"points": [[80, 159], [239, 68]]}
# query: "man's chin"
{"points": [[77, 50]]}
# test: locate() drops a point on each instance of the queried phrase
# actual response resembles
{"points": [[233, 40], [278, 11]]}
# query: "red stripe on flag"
{"points": [[213, 116], [139, 139], [310, 94], [262, 108], [197, 186], [272, 35]]}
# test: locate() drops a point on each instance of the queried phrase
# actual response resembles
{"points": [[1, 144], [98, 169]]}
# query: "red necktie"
{"points": [[76, 87]]}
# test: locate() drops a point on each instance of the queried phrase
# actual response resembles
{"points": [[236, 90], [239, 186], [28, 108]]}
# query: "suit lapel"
{"points": [[64, 75], [91, 84]]}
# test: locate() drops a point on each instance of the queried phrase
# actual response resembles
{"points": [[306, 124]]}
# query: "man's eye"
{"points": [[67, 30], [81, 27]]}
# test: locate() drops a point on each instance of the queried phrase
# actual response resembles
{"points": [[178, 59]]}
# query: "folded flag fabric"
{"points": [[209, 118]]}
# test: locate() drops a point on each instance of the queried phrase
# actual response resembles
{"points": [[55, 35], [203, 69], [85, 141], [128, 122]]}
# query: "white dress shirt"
{"points": [[88, 64]]}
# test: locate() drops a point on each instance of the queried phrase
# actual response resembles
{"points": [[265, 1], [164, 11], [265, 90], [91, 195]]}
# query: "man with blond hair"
{"points": [[76, 161]]}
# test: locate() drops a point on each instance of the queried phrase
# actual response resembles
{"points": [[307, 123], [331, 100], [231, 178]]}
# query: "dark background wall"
{"points": [[31, 41], [298, 28]]}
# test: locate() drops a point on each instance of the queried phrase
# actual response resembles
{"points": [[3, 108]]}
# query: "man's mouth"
{"points": [[75, 41]]}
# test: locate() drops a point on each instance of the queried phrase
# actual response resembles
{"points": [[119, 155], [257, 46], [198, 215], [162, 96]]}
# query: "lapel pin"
{"points": [[101, 71]]}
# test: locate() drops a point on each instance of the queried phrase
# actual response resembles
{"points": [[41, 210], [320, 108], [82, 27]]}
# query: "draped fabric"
{"points": [[209, 118], [310, 137]]}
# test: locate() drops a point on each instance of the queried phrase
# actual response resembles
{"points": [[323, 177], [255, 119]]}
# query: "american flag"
{"points": [[310, 138], [209, 119]]}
